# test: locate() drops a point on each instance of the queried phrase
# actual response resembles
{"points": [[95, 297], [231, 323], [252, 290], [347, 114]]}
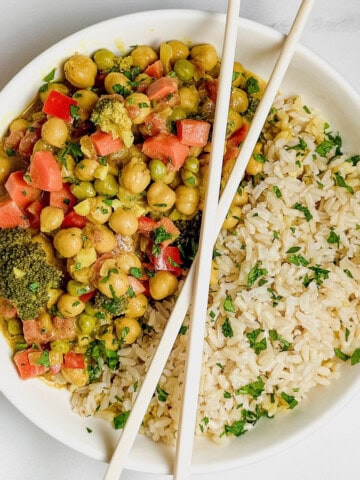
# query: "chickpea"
{"points": [[137, 306], [143, 56], [138, 106], [189, 178], [239, 75], [54, 132], [239, 100], [109, 339], [46, 323], [59, 87], [6, 167], [53, 296], [80, 71], [70, 305], [232, 218], [100, 212], [79, 274], [114, 284], [51, 218], [127, 261], [76, 376], [123, 222], [204, 56], [189, 98], [135, 176], [77, 288], [254, 166], [234, 122], [68, 242], [162, 284], [100, 237], [86, 100], [86, 169], [241, 197], [104, 59], [179, 50], [187, 199], [118, 79], [127, 329], [19, 124], [160, 197]]}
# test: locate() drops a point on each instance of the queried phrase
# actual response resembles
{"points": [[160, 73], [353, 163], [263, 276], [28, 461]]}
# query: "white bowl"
{"points": [[257, 48]]}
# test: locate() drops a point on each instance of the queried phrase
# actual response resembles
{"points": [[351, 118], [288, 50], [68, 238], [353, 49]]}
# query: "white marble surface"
{"points": [[26, 29]]}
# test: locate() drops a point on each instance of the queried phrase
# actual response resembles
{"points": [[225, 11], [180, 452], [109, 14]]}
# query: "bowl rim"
{"points": [[274, 35]]}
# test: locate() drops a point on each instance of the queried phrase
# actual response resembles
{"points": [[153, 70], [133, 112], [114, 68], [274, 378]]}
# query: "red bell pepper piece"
{"points": [[146, 224], [169, 259], [25, 368], [73, 219], [59, 105], [74, 360], [85, 297], [63, 198]]}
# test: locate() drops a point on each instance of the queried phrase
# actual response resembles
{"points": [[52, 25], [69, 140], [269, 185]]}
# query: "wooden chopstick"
{"points": [[185, 437], [175, 321]]}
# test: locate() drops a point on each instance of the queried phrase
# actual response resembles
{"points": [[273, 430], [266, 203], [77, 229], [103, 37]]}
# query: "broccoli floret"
{"points": [[25, 274], [253, 104], [111, 116], [110, 306], [188, 240]]}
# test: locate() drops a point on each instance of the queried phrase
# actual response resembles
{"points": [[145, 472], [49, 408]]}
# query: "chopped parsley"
{"points": [[353, 160], [289, 399], [275, 337], [320, 274], [228, 304], [299, 147], [257, 346], [333, 238], [161, 394], [340, 182], [304, 210], [277, 191], [255, 273], [226, 328], [254, 389], [44, 359], [252, 85], [120, 420]]}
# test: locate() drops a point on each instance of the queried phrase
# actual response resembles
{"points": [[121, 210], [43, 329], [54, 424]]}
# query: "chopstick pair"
{"points": [[200, 269]]}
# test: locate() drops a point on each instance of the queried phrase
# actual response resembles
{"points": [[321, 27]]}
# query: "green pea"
{"points": [[184, 69], [86, 323], [60, 346], [189, 178], [83, 190], [104, 59], [157, 169], [109, 186], [192, 164], [77, 288], [14, 326], [177, 114]]}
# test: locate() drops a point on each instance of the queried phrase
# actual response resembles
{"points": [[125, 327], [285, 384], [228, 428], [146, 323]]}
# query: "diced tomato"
{"points": [[168, 148], [25, 368], [162, 88], [33, 212], [20, 191], [155, 69], [155, 123], [59, 105], [73, 219], [212, 88], [136, 285], [87, 296], [237, 137], [169, 259], [63, 198], [74, 360], [194, 133], [11, 215], [105, 144], [146, 224], [44, 172]]}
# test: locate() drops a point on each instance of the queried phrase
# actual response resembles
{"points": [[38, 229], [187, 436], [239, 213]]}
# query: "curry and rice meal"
{"points": [[102, 188]]}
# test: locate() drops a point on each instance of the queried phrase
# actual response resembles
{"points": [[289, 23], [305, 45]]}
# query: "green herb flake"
{"points": [[44, 359], [183, 329], [259, 157], [300, 147], [343, 356], [136, 272], [304, 210], [257, 346], [289, 399], [353, 160], [277, 191], [120, 420], [228, 304], [254, 389], [50, 76], [255, 273], [88, 430], [298, 260], [161, 394], [236, 428], [293, 250], [252, 85], [275, 337], [355, 357], [227, 395], [307, 109], [226, 328], [333, 238], [340, 182]]}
